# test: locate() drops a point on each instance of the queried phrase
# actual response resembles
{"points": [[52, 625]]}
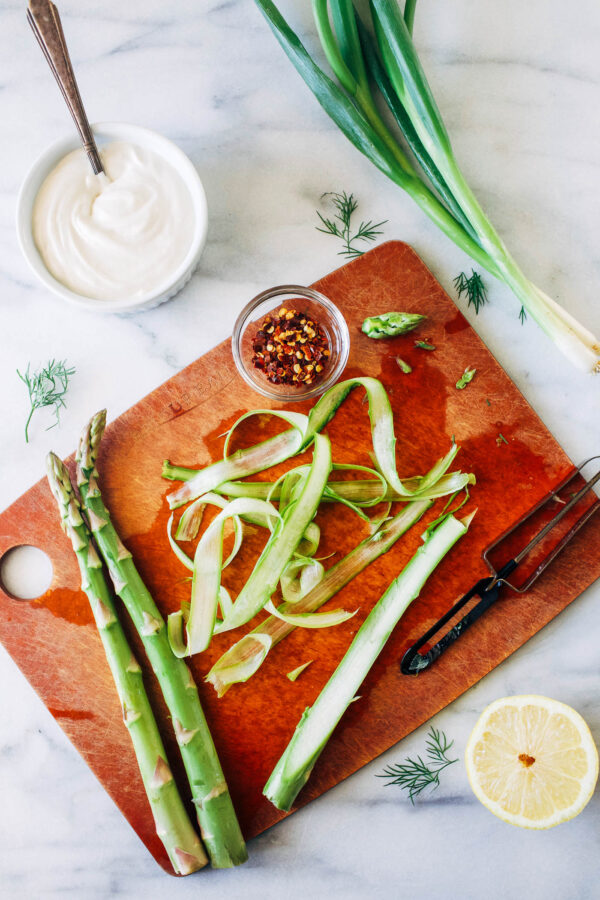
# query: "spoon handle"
{"points": [[45, 22]]}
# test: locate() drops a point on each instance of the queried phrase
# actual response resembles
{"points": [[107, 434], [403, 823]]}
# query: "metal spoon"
{"points": [[45, 22]]}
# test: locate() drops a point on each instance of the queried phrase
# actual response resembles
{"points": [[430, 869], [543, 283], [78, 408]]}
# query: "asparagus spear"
{"points": [[318, 721], [173, 825], [218, 823]]}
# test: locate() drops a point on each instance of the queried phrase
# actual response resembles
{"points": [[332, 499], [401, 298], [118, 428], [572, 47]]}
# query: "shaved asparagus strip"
{"points": [[382, 432], [283, 446], [288, 483], [188, 528], [194, 635], [246, 656], [293, 769], [173, 825], [189, 523], [225, 601], [179, 553], [298, 421], [238, 465], [245, 462], [359, 492], [218, 823], [311, 620], [331, 490], [262, 582], [309, 544], [299, 577]]}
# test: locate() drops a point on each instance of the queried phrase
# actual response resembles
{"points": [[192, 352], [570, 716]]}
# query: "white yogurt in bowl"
{"points": [[127, 239]]}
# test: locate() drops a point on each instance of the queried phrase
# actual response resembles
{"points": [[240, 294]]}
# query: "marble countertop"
{"points": [[519, 87]]}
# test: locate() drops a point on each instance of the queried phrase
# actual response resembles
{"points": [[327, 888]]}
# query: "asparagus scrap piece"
{"points": [[318, 721], [391, 324], [173, 825], [219, 827]]}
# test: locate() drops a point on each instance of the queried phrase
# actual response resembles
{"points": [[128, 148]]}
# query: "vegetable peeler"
{"points": [[488, 589]]}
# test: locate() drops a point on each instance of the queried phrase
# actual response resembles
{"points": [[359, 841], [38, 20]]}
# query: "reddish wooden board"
{"points": [[53, 638]]}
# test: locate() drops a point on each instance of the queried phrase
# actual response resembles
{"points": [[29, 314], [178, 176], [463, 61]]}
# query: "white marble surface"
{"points": [[519, 84]]}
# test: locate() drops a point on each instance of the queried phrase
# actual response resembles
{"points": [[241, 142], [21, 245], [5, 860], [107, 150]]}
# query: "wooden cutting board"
{"points": [[53, 639]]}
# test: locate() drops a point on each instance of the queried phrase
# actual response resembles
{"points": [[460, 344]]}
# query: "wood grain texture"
{"points": [[53, 638]]}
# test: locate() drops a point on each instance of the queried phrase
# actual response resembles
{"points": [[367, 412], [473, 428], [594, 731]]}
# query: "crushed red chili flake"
{"points": [[290, 348]]}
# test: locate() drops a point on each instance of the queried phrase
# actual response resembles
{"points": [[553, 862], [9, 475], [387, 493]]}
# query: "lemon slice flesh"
{"points": [[532, 761]]}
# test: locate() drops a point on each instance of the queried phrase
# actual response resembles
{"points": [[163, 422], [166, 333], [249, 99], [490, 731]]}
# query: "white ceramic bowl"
{"points": [[105, 132]]}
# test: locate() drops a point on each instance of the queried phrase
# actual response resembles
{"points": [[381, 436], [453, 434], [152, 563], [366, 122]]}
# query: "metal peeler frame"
{"points": [[488, 589]]}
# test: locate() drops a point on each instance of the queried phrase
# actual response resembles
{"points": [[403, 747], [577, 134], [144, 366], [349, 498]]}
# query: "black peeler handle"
{"points": [[488, 589]]}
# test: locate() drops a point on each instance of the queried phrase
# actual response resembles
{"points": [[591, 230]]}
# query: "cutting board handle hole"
{"points": [[25, 572]]}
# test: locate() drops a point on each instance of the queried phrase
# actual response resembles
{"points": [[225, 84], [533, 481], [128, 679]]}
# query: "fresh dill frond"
{"points": [[414, 775], [340, 226], [474, 288], [522, 315], [46, 387]]}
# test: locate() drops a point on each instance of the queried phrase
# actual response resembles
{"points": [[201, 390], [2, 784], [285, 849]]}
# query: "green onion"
{"points": [[441, 189], [318, 721]]}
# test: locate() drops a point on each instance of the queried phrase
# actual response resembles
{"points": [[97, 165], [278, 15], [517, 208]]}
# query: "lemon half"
{"points": [[532, 761]]}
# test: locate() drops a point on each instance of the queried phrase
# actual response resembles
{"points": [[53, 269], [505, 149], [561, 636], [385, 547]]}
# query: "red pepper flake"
{"points": [[290, 348]]}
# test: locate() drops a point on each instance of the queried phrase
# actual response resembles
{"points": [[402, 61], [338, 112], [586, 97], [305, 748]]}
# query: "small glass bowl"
{"points": [[320, 309]]}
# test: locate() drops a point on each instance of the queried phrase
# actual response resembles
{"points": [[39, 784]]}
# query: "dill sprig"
{"points": [[340, 225], [474, 287], [414, 775], [46, 387], [522, 315]]}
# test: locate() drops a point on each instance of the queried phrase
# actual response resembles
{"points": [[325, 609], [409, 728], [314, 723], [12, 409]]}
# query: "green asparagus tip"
{"points": [[89, 442], [58, 478]]}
